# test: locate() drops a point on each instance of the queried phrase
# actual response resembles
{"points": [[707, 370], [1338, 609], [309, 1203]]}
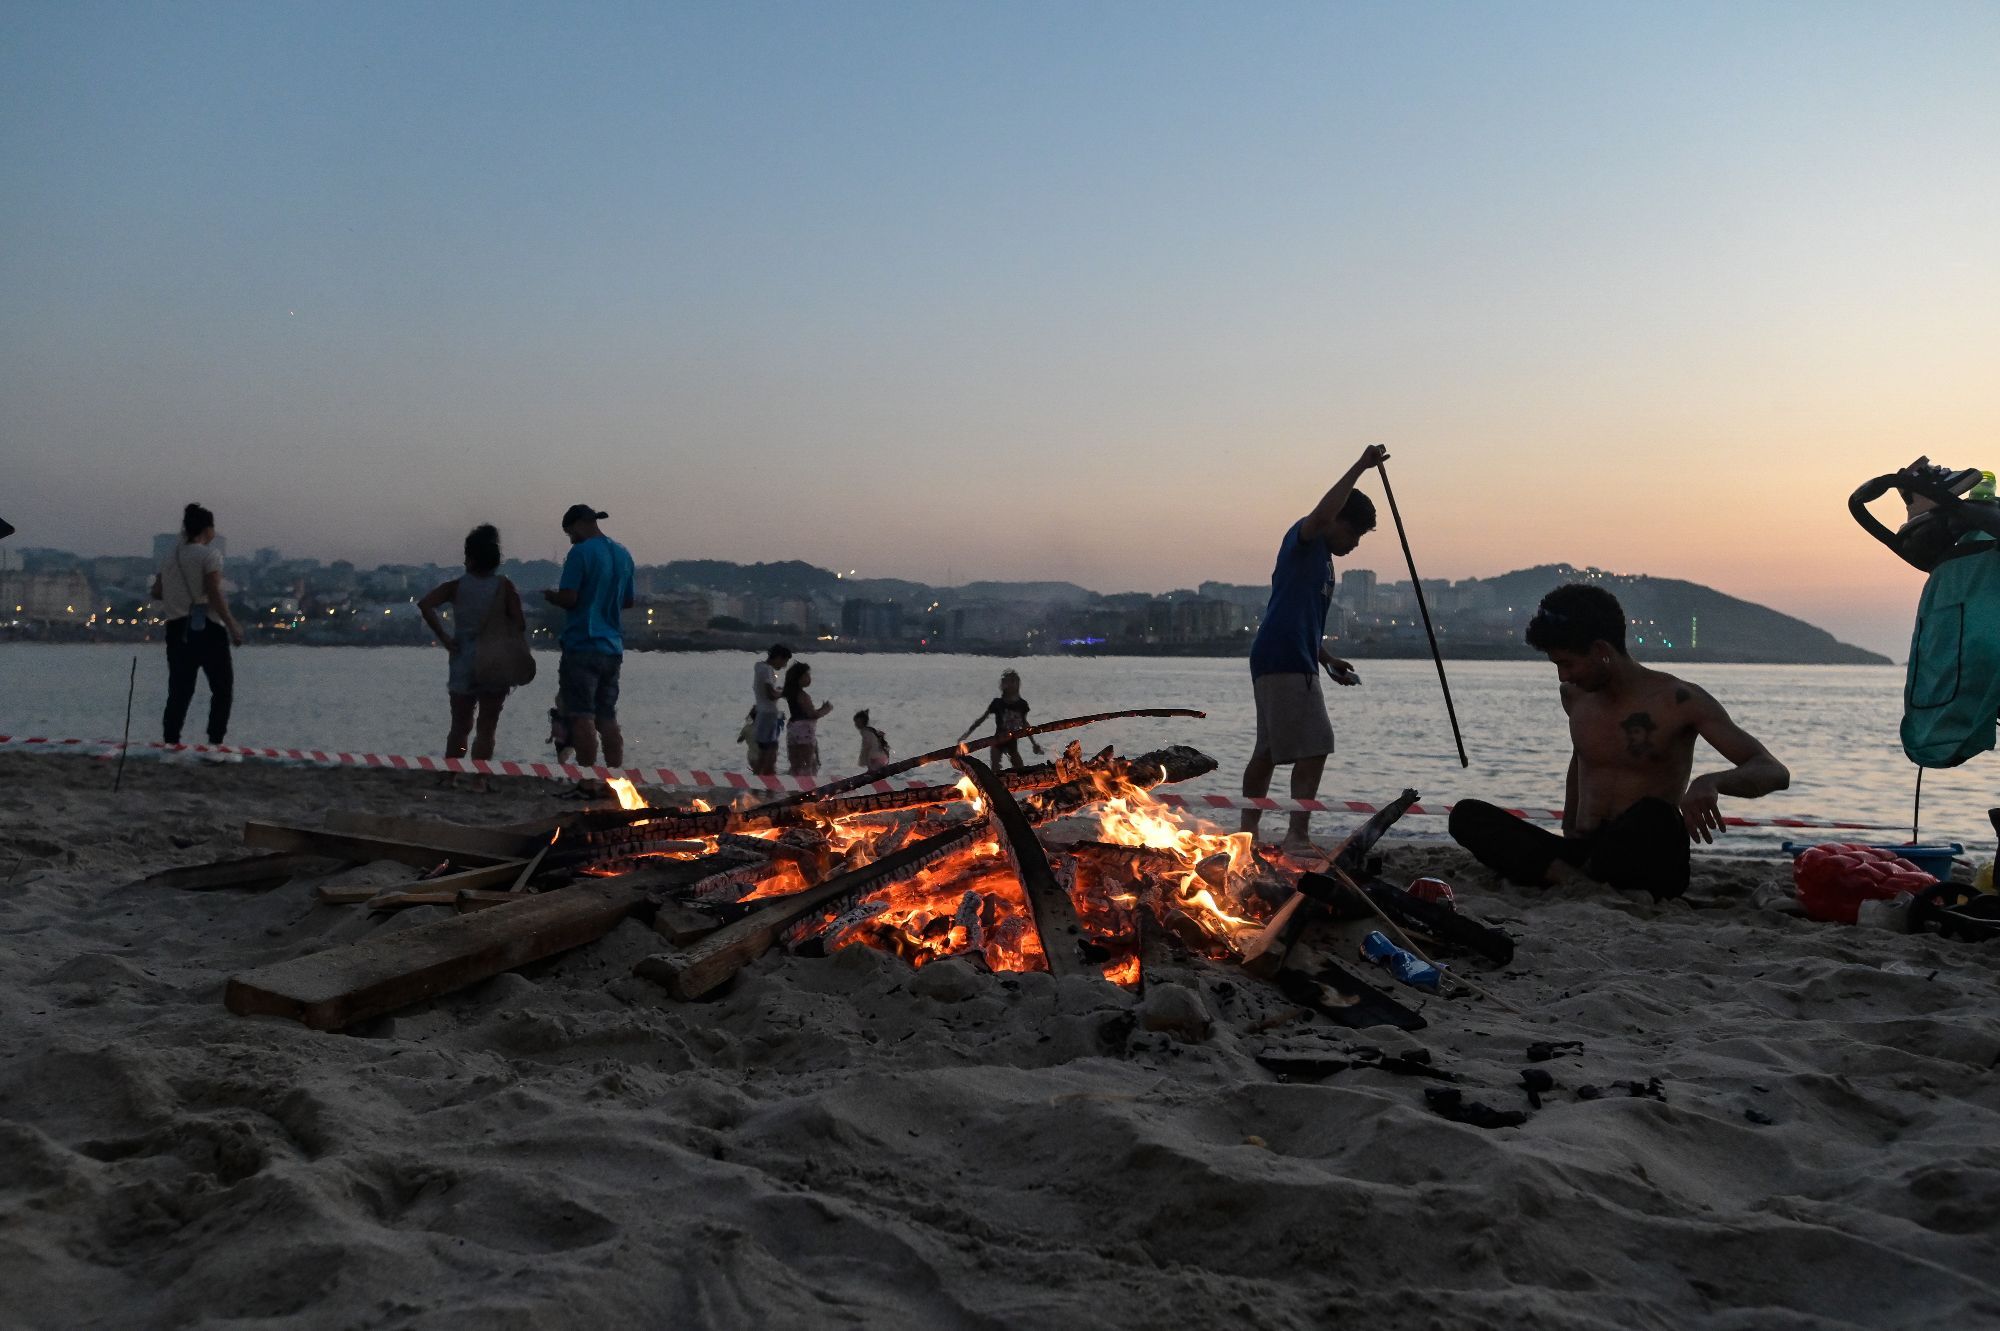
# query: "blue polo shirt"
{"points": [[1295, 617], [599, 571]]}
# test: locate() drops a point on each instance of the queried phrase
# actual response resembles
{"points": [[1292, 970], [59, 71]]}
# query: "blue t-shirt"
{"points": [[1295, 617], [599, 571]]}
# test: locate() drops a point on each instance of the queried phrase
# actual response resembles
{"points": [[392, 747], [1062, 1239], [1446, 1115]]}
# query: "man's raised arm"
{"points": [[1318, 524], [1755, 771]]}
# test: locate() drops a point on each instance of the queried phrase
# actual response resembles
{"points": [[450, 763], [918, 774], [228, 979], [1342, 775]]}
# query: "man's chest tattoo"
{"points": [[1639, 728]]}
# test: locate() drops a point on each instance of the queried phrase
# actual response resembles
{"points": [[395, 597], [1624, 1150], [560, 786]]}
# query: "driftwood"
{"points": [[723, 953], [342, 985], [360, 848], [1053, 911], [251, 871]]}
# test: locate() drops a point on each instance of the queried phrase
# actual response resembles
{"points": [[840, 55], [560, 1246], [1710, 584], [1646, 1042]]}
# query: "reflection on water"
{"points": [[1835, 726]]}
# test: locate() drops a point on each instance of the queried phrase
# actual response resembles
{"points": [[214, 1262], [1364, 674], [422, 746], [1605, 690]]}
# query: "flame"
{"points": [[1212, 866], [969, 791], [628, 794], [1124, 972]]}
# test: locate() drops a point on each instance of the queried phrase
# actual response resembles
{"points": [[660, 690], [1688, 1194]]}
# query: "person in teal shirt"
{"points": [[595, 590]]}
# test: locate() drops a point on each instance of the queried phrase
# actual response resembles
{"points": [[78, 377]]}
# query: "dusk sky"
{"points": [[1104, 292]]}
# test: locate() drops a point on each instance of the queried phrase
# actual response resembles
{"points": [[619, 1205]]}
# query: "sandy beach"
{"points": [[843, 1141]]}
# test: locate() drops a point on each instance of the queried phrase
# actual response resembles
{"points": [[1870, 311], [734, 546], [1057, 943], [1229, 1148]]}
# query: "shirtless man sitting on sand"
{"points": [[1629, 809]]}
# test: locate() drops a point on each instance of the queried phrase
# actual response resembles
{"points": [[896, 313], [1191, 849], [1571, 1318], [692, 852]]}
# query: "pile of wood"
{"points": [[724, 886]]}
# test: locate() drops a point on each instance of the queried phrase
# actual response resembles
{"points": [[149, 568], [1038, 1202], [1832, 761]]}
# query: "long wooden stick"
{"points": [[945, 754], [1402, 940], [1417, 585]]}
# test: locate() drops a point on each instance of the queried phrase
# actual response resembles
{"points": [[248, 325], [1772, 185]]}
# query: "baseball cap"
{"points": [[576, 513]]}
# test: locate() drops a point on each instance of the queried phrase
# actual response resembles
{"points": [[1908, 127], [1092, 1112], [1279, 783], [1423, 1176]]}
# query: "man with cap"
{"points": [[596, 589]]}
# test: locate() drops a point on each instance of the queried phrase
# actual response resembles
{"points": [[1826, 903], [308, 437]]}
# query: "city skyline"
{"points": [[1104, 295]]}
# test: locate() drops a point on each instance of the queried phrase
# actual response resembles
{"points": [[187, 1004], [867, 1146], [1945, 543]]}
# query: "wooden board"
{"points": [[333, 989], [360, 848], [486, 876], [680, 924], [499, 841], [249, 871]]}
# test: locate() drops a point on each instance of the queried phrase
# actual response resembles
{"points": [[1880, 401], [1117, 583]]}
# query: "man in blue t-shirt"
{"points": [[1287, 656], [596, 589]]}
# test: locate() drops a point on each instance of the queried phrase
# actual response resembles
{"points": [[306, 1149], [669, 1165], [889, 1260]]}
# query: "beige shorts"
{"points": [[1291, 718]]}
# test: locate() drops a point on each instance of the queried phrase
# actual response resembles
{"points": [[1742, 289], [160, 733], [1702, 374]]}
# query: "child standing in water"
{"points": [[874, 744], [1010, 713]]}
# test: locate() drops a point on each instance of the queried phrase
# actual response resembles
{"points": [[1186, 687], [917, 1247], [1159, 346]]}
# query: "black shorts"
{"points": [[587, 684]]}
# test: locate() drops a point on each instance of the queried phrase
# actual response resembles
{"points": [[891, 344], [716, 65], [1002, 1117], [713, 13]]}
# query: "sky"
{"points": [[1105, 292]]}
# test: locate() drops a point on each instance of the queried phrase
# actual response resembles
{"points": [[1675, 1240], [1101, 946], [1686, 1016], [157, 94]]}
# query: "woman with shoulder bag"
{"points": [[487, 641]]}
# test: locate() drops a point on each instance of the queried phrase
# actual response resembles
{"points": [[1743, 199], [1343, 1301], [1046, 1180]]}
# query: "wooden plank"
{"points": [[532, 867], [249, 871], [680, 924], [500, 841], [398, 900], [1048, 901], [716, 958], [490, 875], [360, 848], [473, 898], [340, 986]]}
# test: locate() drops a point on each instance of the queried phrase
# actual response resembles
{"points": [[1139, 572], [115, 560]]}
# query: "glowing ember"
{"points": [[628, 794]]}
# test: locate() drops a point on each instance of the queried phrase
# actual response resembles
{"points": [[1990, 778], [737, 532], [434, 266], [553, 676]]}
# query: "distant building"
{"points": [[872, 621], [46, 595], [1357, 591], [673, 612]]}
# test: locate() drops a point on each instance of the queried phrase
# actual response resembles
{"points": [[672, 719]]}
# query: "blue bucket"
{"points": [[1934, 860]]}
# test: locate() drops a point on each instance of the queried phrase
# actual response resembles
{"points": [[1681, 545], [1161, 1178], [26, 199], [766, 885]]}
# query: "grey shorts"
{"points": [[587, 684], [1291, 718]]}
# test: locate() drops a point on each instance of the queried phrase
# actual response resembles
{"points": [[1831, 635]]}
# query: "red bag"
{"points": [[1834, 879]]}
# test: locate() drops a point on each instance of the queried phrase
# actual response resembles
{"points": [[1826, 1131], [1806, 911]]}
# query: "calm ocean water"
{"points": [[1835, 726]]}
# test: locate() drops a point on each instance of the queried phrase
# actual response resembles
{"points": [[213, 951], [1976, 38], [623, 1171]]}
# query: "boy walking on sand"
{"points": [[1287, 656]]}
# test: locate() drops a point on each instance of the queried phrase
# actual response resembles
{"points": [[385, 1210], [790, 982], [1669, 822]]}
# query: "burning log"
{"points": [[1177, 762], [1265, 957], [726, 951], [1050, 904]]}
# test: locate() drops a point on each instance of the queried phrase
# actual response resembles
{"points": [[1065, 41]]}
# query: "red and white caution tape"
{"points": [[696, 779]]}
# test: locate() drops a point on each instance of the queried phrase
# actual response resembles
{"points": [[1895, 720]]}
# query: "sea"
{"points": [[1835, 727]]}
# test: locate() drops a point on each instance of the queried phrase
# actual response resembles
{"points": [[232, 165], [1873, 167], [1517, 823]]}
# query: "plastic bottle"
{"points": [[1985, 488], [1891, 913], [1403, 965], [1983, 880]]}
